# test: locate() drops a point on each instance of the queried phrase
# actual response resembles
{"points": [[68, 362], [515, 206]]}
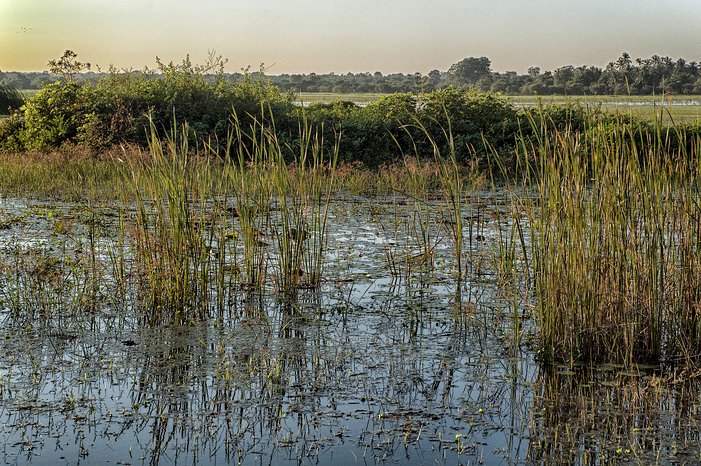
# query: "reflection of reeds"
{"points": [[609, 415]]}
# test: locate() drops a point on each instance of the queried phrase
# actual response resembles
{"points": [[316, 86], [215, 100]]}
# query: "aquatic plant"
{"points": [[615, 244], [282, 205], [172, 241]]}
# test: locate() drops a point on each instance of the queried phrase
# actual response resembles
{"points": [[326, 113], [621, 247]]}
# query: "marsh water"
{"points": [[383, 364]]}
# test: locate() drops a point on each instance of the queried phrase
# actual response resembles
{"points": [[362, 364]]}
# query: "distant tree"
{"points": [[434, 79], [469, 71], [624, 62], [16, 80], [67, 65]]}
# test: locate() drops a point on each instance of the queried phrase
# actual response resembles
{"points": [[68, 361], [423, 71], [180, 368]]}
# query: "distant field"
{"points": [[358, 98], [684, 108]]}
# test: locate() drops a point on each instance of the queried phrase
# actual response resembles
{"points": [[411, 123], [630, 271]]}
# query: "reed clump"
{"points": [[615, 244], [172, 233], [282, 196], [206, 224]]}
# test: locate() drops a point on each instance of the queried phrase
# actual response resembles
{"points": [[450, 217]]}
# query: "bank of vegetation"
{"points": [[120, 108], [230, 186]]}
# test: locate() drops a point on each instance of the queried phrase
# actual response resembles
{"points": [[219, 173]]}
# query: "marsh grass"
{"points": [[55, 284], [615, 245], [422, 181], [191, 227], [71, 175], [282, 205], [411, 249], [172, 233], [304, 190], [600, 233]]}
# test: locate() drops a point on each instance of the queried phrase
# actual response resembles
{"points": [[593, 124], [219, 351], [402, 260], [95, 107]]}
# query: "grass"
{"points": [[671, 109], [615, 245], [70, 175], [665, 108], [284, 204], [327, 97], [174, 268], [194, 209]]}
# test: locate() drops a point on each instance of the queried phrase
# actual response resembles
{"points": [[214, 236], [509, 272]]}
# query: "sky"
{"points": [[322, 36]]}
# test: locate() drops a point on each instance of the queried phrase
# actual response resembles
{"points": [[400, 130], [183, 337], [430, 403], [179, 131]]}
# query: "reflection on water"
{"points": [[370, 369], [372, 385]]}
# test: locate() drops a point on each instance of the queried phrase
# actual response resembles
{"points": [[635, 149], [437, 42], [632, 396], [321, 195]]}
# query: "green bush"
{"points": [[121, 106], [473, 119], [53, 116], [11, 133]]}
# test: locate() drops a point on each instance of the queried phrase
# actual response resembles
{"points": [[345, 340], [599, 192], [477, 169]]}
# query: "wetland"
{"points": [[449, 277]]}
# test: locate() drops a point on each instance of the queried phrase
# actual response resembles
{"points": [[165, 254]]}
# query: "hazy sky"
{"points": [[303, 36]]}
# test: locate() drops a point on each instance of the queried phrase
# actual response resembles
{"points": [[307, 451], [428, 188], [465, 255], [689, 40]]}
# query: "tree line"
{"points": [[623, 76]]}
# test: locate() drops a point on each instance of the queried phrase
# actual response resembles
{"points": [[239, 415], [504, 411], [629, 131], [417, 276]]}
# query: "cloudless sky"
{"points": [[303, 36]]}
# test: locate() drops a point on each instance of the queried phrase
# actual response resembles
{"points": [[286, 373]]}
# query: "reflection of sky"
{"points": [[333, 35]]}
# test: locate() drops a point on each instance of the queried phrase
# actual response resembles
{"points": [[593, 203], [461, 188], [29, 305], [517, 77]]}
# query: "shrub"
{"points": [[53, 116], [121, 106], [472, 117]]}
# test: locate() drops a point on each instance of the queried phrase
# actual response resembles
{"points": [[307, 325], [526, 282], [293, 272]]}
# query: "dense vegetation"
{"points": [[593, 179], [623, 76], [119, 108]]}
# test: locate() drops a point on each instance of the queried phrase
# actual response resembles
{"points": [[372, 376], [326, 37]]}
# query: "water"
{"points": [[370, 369]]}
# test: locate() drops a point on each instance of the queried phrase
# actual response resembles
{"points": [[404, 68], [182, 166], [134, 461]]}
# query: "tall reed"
{"points": [[282, 195], [171, 190], [615, 244], [452, 179]]}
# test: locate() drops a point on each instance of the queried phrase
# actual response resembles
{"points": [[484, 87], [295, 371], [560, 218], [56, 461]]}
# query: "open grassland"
{"points": [[666, 108], [328, 97]]}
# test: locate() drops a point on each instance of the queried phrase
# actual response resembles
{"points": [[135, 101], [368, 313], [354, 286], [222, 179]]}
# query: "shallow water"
{"points": [[370, 369]]}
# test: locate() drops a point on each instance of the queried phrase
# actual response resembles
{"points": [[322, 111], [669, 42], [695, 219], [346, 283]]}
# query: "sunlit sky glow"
{"points": [[303, 36]]}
